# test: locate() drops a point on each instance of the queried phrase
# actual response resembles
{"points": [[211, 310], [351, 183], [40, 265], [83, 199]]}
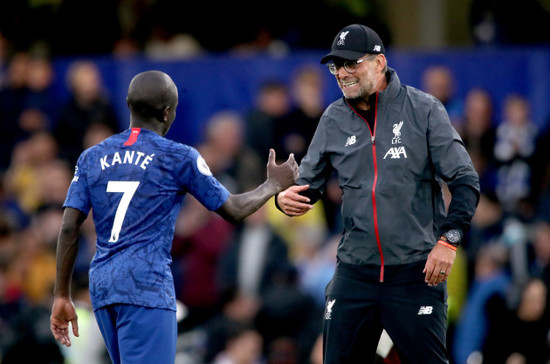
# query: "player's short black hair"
{"points": [[150, 93]]}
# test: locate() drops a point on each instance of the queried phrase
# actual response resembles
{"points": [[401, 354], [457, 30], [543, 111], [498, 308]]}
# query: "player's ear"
{"points": [[166, 113]]}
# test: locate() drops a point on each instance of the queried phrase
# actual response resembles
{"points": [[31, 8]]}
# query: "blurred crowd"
{"points": [[176, 29], [254, 293]]}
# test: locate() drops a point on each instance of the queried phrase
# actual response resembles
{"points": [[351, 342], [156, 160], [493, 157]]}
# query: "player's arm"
{"points": [[63, 311], [279, 178]]}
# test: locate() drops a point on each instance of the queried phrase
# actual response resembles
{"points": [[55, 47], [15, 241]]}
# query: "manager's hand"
{"points": [[292, 203], [439, 264]]}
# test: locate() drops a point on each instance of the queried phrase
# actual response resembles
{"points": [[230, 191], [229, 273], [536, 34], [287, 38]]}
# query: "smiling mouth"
{"points": [[350, 83]]}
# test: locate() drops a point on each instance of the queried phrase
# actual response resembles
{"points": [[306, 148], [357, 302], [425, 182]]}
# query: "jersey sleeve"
{"points": [[197, 179], [78, 195]]}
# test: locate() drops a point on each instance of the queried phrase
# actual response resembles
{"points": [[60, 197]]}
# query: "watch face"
{"points": [[453, 236]]}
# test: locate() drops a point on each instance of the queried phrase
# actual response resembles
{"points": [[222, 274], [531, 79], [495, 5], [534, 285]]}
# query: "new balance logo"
{"points": [[396, 153], [350, 141], [328, 310], [377, 48], [425, 310]]}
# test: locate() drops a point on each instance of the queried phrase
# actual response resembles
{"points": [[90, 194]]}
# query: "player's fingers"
{"points": [[438, 275], [297, 202], [299, 209], [55, 334], [74, 324], [291, 197], [271, 158], [291, 158], [298, 206], [295, 212], [299, 188], [61, 336], [429, 275]]}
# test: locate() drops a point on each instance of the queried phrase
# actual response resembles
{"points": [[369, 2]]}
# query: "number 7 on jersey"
{"points": [[127, 188]]}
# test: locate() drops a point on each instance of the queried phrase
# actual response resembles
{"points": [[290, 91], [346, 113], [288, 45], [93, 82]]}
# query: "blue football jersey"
{"points": [[135, 183]]}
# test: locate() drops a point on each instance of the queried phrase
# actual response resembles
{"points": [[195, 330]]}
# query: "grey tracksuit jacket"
{"points": [[392, 209]]}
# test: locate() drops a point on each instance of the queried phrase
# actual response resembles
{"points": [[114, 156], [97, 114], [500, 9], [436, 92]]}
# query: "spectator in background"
{"points": [[514, 147], [295, 131], [236, 309], [439, 82], [30, 274], [243, 346], [30, 158], [271, 104], [38, 251], [288, 317], [165, 45], [519, 335], [254, 258], [12, 298], [32, 121], [40, 78], [95, 134], [541, 172], [27, 105], [487, 295], [487, 227], [199, 240], [231, 161], [498, 22], [88, 104], [315, 261], [478, 133], [540, 261], [13, 95]]}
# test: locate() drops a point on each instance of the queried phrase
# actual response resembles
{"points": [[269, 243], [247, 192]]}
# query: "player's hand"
{"points": [[439, 264], [292, 203], [284, 175], [63, 313]]}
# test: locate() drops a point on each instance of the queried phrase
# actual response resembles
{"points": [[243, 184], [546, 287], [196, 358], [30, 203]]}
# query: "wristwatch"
{"points": [[453, 236]]}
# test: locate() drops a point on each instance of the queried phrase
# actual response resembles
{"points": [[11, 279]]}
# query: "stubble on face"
{"points": [[357, 86]]}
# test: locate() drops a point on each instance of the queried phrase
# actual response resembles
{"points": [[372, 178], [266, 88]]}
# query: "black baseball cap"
{"points": [[353, 42]]}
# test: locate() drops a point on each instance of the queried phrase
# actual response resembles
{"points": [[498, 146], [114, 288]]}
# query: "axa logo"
{"points": [[425, 310], [328, 310], [350, 141], [342, 40], [396, 153], [397, 133]]}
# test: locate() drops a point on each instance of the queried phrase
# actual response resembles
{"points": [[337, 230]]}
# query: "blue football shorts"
{"points": [[138, 335]]}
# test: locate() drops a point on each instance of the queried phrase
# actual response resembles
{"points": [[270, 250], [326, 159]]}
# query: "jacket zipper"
{"points": [[373, 190]]}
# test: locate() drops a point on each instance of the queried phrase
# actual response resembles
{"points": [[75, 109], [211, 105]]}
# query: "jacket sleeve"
{"points": [[453, 165], [315, 167]]}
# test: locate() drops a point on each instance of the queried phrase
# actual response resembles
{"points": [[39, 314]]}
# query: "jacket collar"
{"points": [[394, 85]]}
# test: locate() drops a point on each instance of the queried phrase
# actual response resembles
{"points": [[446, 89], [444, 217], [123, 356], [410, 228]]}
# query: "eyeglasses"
{"points": [[349, 66]]}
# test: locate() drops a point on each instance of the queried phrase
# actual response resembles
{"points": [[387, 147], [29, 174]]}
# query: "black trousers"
{"points": [[358, 307]]}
